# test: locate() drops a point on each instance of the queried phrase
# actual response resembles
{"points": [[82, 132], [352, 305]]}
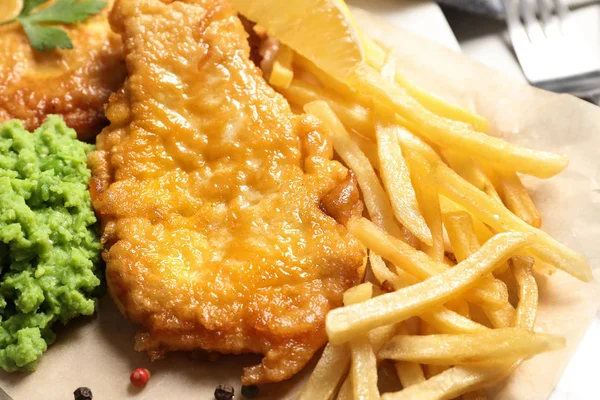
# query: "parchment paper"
{"points": [[98, 352]]}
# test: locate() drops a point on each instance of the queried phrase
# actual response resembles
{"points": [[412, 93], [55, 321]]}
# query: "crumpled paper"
{"points": [[98, 352]]}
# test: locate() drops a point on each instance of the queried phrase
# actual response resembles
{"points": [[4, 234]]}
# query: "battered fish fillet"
{"points": [[216, 201], [74, 84]]}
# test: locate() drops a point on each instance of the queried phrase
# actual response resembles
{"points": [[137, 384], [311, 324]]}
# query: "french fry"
{"points": [[475, 395], [414, 262], [429, 203], [449, 384], [448, 321], [454, 382], [328, 374], [498, 217], [430, 369], [415, 144], [453, 134], [482, 232], [345, 323], [448, 261], [502, 318], [388, 69], [526, 309], [359, 293], [515, 197], [408, 373], [377, 337], [334, 364], [460, 229], [471, 171], [368, 147], [459, 306], [409, 238], [353, 115], [396, 280], [441, 107], [461, 232], [543, 267], [340, 90], [375, 57], [380, 121], [374, 196], [282, 73], [396, 179], [363, 370], [363, 367], [528, 292], [330, 83], [538, 265], [462, 379], [442, 319], [495, 345], [399, 253], [346, 390], [504, 267]]}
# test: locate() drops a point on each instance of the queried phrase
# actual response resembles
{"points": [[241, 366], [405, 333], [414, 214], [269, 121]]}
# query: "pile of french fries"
{"points": [[453, 236]]}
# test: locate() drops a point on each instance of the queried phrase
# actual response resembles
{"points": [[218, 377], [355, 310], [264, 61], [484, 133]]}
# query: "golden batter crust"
{"points": [[209, 191]]}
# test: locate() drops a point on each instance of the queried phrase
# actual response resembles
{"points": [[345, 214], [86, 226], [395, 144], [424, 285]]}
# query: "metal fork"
{"points": [[553, 52]]}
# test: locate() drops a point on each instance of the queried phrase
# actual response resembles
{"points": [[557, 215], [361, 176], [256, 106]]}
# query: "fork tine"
{"points": [[550, 21], [545, 12], [558, 60], [527, 11], [561, 9], [522, 46], [532, 24], [516, 29], [513, 19]]}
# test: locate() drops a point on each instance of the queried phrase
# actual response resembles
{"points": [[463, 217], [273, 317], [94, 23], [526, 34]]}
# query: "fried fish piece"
{"points": [[74, 84], [214, 197]]}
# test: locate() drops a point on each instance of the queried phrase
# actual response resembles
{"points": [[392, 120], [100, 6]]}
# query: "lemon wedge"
{"points": [[9, 9], [323, 31]]}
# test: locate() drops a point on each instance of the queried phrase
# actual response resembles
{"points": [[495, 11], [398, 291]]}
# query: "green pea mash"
{"points": [[49, 249]]}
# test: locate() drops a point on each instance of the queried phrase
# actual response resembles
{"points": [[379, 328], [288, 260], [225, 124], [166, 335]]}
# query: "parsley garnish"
{"points": [[42, 36]]}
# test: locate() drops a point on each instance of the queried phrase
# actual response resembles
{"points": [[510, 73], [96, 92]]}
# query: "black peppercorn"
{"points": [[224, 392], [83, 393], [250, 392]]}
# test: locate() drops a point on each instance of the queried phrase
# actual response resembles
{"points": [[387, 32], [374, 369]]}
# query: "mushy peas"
{"points": [[49, 249]]}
